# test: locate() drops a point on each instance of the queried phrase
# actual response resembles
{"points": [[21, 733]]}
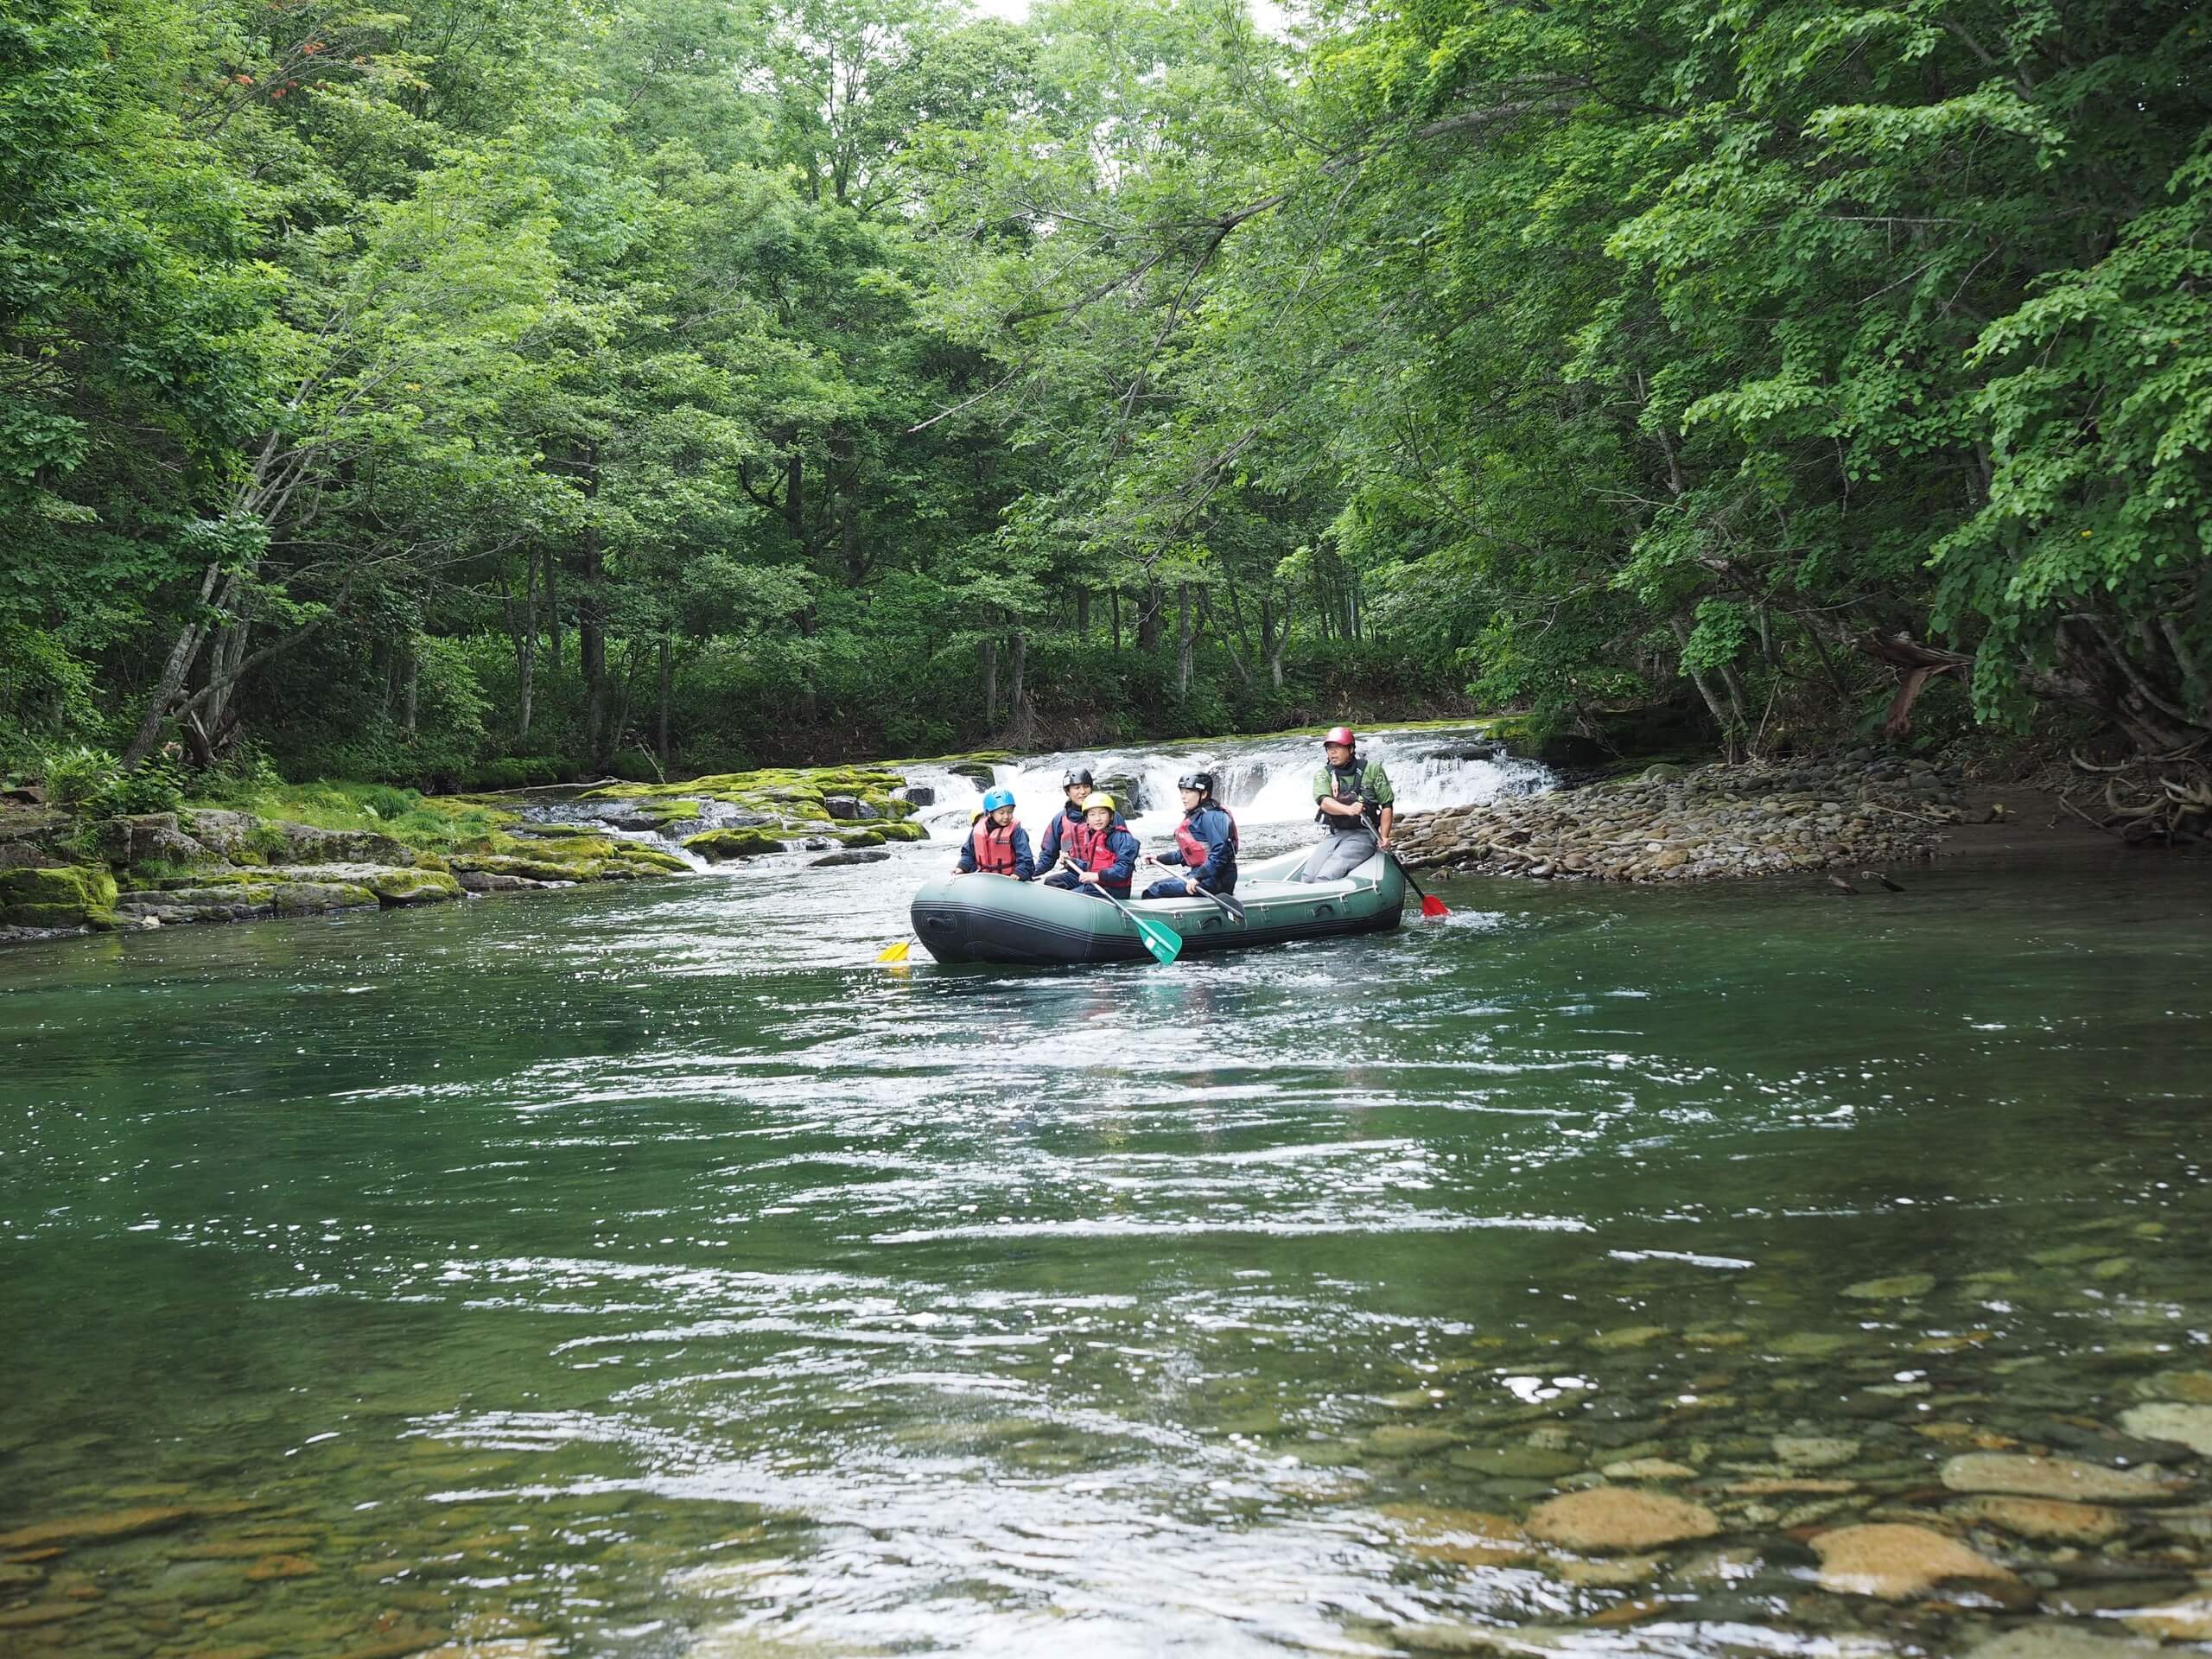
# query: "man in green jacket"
{"points": [[1352, 800]]}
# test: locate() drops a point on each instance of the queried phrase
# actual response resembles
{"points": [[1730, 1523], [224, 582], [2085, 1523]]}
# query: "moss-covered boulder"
{"points": [[900, 830], [61, 897], [413, 886], [722, 845]]}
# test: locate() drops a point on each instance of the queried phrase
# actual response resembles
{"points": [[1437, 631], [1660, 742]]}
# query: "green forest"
{"points": [[496, 391]]}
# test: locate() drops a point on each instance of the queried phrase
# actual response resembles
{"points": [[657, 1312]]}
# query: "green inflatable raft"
{"points": [[991, 918]]}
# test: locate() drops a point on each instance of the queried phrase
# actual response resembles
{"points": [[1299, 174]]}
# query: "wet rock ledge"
{"points": [[1689, 823]]}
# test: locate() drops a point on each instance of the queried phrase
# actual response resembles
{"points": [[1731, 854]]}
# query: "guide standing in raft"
{"points": [[1352, 798]]}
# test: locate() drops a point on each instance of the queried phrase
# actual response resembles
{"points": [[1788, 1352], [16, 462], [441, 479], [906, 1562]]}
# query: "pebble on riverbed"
{"points": [[1676, 824]]}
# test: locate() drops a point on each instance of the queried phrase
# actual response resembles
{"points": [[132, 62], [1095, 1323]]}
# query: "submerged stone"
{"points": [[2063, 1477], [97, 1528], [2188, 1620], [1813, 1451], [2055, 1641], [2189, 1424], [1897, 1562], [1606, 1518], [1899, 1288], [2050, 1520]]}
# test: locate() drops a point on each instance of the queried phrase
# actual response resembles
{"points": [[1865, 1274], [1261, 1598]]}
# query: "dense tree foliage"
{"points": [[497, 389]]}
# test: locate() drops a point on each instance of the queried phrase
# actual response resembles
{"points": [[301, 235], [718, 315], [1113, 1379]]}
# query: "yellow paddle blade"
{"points": [[895, 952]]}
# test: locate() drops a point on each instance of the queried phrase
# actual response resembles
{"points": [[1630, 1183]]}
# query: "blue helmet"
{"points": [[995, 799]]}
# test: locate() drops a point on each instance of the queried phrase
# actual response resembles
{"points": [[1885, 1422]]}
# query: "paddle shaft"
{"points": [[1426, 901]]}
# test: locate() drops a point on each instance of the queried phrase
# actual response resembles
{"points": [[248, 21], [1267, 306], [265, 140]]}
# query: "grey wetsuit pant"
{"points": [[1339, 856]]}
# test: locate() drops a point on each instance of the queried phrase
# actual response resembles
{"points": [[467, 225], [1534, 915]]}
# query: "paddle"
{"points": [[1235, 910], [1429, 906], [1163, 941]]}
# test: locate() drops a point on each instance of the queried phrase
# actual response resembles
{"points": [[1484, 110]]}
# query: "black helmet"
{"points": [[1075, 775], [1201, 781]]}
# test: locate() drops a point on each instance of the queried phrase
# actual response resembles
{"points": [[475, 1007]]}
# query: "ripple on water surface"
{"points": [[642, 1273]]}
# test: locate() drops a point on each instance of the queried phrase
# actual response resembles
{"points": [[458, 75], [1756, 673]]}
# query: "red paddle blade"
{"points": [[1432, 905]]}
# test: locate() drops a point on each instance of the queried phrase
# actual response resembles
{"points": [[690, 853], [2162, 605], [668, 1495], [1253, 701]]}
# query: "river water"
{"points": [[642, 1271]]}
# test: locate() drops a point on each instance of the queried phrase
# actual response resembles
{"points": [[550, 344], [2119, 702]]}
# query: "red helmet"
{"points": [[1341, 734]]}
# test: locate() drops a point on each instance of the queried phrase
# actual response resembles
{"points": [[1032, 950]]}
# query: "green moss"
{"points": [[722, 845], [900, 830], [72, 896], [870, 836], [890, 806], [412, 887]]}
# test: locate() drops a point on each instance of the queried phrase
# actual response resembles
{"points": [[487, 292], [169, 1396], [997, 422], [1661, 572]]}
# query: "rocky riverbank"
{"points": [[63, 874], [1688, 823]]}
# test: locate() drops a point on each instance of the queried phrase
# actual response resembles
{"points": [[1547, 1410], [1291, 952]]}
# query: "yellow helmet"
{"points": [[1098, 798]]}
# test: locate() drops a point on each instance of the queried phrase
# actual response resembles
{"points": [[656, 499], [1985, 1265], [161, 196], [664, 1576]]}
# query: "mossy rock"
{"points": [[872, 836], [890, 806], [71, 896], [413, 886], [532, 869], [649, 859], [722, 845], [900, 830]]}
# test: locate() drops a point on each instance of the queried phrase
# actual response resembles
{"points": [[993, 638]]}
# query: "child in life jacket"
{"points": [[1100, 854], [996, 845]]}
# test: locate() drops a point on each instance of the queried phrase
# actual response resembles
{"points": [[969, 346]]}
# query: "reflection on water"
{"points": [[643, 1273]]}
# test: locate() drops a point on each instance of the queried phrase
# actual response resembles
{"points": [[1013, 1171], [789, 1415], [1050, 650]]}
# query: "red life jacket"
{"points": [[1088, 849], [994, 845], [1194, 851]]}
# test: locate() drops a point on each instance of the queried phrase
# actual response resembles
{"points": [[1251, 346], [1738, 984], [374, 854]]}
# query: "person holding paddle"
{"points": [[1205, 844], [1353, 802], [1099, 855]]}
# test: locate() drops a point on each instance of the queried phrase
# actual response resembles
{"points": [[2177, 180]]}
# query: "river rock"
{"points": [[852, 856], [1516, 1462], [1464, 1537], [148, 838], [1898, 1563], [2053, 1640], [1606, 1518], [1813, 1451], [2189, 1424], [915, 794], [1648, 1469], [1900, 1288], [2194, 1387], [2050, 1520], [96, 1529], [2061, 1478], [2188, 1620]]}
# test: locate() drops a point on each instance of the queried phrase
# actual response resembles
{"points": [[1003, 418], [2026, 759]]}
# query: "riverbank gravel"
{"points": [[1690, 823]]}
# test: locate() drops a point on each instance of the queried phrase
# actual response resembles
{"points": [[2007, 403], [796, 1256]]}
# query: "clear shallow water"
{"points": [[640, 1271]]}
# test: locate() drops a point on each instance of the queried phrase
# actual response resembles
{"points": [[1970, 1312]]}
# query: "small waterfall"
{"points": [[1267, 783]]}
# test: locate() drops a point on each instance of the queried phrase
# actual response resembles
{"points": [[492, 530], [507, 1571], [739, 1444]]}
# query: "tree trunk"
{"points": [[228, 653], [990, 684], [1149, 608], [408, 688], [1114, 598], [1183, 635], [1282, 639], [1713, 699], [522, 628], [174, 668], [591, 651], [553, 627], [1209, 616], [1021, 718], [1082, 614], [667, 684]]}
